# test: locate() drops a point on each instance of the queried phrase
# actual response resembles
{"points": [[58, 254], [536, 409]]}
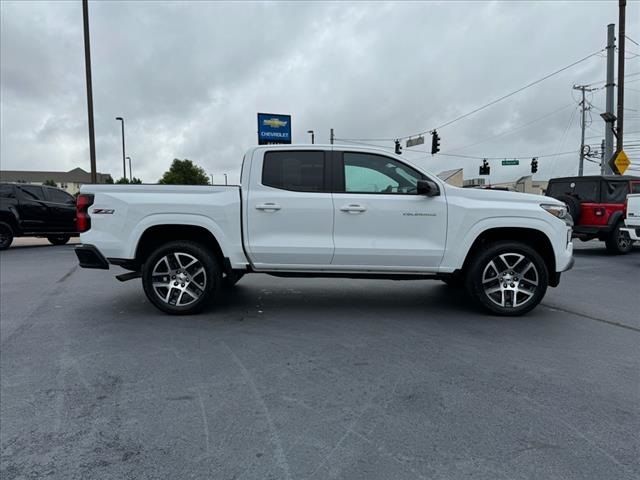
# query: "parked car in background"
{"points": [[598, 205], [36, 211], [632, 221]]}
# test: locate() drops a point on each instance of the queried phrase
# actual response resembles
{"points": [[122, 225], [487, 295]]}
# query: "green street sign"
{"points": [[510, 162]]}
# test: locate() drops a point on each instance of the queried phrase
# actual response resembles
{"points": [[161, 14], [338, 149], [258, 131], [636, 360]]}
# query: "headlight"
{"points": [[559, 211]]}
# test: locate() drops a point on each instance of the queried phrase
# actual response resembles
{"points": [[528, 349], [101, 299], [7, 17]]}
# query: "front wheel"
{"points": [[181, 277], [507, 278], [618, 242], [58, 239]]}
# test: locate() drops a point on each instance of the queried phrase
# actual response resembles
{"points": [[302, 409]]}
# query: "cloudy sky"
{"points": [[189, 78]]}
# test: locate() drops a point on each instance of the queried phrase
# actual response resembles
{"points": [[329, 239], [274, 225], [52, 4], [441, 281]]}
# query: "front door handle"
{"points": [[268, 206], [353, 208]]}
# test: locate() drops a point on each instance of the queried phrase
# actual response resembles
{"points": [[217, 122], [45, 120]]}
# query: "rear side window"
{"points": [[31, 192], [6, 191], [58, 196], [615, 192], [297, 171], [585, 191], [635, 187]]}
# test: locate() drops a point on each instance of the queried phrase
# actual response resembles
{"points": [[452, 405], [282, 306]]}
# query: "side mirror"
{"points": [[428, 188]]}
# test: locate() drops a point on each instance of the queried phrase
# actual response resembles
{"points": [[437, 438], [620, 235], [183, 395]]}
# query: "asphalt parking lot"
{"points": [[315, 379]]}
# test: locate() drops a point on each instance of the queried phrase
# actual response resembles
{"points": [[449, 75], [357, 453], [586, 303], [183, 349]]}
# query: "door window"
{"points": [[6, 191], [32, 192], [58, 196], [367, 173], [616, 192], [583, 190], [635, 187], [298, 171]]}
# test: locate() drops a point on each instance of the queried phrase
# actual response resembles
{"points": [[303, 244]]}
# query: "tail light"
{"points": [[83, 220]]}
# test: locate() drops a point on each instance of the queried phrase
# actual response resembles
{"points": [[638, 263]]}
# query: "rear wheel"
{"points": [[507, 278], [618, 242], [58, 239], [6, 236], [181, 277]]}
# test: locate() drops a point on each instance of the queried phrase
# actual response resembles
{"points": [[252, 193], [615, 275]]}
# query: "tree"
{"points": [[125, 180], [50, 183], [109, 180], [184, 172]]}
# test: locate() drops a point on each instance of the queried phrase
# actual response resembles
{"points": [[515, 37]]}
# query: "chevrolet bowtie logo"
{"points": [[274, 123]]}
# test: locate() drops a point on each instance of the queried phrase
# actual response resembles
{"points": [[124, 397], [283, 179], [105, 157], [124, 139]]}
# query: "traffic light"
{"points": [[435, 142], [485, 169], [534, 164], [398, 148]]}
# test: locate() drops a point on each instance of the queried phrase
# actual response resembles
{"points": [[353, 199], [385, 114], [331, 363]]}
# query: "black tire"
{"points": [[58, 239], [573, 206], [618, 242], [521, 278], [6, 235], [169, 265], [230, 279]]}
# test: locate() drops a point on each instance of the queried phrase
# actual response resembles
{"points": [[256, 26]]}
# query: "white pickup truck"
{"points": [[326, 211], [632, 221]]}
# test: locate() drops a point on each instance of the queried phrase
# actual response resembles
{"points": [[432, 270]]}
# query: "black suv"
{"points": [[598, 206], [36, 211]]}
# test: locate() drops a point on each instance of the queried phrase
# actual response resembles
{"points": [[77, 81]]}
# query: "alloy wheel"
{"points": [[510, 280], [179, 279]]}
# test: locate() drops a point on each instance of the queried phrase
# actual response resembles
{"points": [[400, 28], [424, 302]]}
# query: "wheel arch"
{"points": [[536, 239], [157, 235]]}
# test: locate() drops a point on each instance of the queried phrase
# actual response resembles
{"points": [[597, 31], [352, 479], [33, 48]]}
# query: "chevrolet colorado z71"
{"points": [[326, 211]]}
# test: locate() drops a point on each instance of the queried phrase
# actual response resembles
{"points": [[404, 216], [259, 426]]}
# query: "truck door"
{"points": [[62, 207], [290, 209], [380, 220], [34, 212]]}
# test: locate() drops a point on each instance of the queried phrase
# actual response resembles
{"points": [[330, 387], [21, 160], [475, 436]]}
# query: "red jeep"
{"points": [[598, 206]]}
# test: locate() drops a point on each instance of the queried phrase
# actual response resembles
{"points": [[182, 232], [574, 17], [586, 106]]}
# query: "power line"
{"points": [[515, 129], [476, 110], [631, 40]]}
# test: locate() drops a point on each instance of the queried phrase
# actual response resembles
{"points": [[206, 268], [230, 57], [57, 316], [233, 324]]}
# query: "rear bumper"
{"points": [[90, 257]]}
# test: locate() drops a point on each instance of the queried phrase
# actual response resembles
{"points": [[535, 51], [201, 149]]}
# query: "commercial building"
{"points": [[69, 181]]}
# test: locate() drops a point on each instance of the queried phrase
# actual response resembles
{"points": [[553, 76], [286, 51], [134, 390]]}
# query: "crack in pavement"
{"points": [[591, 317]]}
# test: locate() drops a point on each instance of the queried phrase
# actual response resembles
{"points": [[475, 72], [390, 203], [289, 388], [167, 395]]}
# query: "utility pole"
{"points": [[585, 108], [608, 127], [622, 4], [87, 66], [331, 137], [225, 179]]}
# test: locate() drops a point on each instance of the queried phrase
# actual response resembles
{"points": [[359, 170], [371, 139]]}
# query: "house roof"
{"points": [[447, 174], [76, 175]]}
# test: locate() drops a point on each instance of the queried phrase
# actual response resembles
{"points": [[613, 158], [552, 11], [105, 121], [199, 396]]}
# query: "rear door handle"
{"points": [[353, 208], [268, 206]]}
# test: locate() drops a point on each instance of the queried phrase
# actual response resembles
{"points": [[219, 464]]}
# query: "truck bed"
{"points": [[120, 214]]}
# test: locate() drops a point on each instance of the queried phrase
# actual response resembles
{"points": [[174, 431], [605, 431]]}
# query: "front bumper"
{"points": [[634, 233], [90, 257]]}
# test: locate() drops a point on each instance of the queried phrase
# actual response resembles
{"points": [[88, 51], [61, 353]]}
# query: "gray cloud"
{"points": [[190, 77]]}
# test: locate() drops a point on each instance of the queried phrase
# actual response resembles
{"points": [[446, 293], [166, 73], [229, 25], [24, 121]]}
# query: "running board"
{"points": [[123, 277]]}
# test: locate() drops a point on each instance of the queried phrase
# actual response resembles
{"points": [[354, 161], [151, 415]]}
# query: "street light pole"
{"points": [[130, 172], [87, 66], [313, 136], [124, 164]]}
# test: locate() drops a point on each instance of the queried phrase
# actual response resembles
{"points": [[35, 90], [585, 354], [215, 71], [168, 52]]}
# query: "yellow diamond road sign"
{"points": [[621, 162]]}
